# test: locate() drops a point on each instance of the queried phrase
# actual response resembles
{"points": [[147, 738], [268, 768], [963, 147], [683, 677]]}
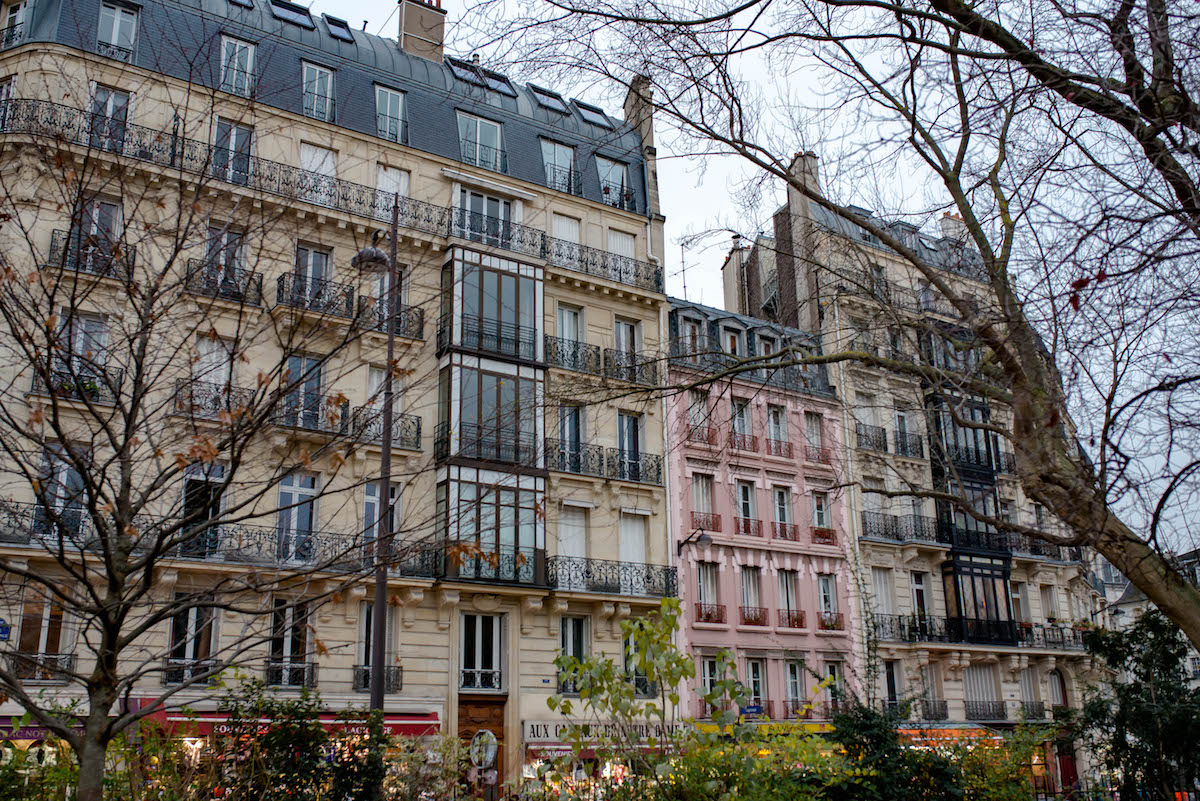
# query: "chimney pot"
{"points": [[422, 28], [475, 58]]}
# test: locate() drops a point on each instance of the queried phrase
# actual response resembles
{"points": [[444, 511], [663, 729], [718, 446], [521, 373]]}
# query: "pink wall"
{"points": [[711, 452]]}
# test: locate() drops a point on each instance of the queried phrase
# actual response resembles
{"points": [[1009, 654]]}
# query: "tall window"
{"points": [[317, 180], [118, 27], [389, 115], [481, 652], [820, 510], [827, 593], [629, 438], [499, 312], [372, 510], [777, 423], [288, 661], [231, 152], [1020, 601], [1049, 602], [59, 516], [697, 407], [892, 686], [499, 413], [782, 504], [42, 642], [391, 186], [570, 325], [732, 341], [756, 682], [191, 642], [237, 66], [83, 346], [203, 487], [789, 583], [881, 585], [752, 612], [501, 523], [110, 115], [708, 674], [702, 491], [13, 31], [481, 143], [574, 643], [614, 182], [707, 576], [318, 92], [741, 417], [625, 335], [813, 436], [362, 678], [304, 404], [559, 161], [297, 516], [795, 687], [747, 507], [919, 588]]}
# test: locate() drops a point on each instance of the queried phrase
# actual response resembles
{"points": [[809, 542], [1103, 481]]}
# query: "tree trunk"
{"points": [[90, 786]]}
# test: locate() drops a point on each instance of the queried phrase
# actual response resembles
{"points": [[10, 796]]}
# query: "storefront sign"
{"points": [[536, 732], [202, 723]]}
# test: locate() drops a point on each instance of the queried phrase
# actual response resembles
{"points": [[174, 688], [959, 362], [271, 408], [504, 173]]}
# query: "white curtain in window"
{"points": [[881, 582]]}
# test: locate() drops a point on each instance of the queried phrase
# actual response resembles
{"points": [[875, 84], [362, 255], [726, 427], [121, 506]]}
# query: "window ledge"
{"points": [[487, 183], [710, 626], [829, 633]]}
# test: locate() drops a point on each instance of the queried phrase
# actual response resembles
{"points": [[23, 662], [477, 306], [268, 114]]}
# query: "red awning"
{"points": [[202, 723]]}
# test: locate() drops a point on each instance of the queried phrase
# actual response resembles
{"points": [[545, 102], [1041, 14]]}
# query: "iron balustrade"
{"points": [[1024, 544], [211, 401], [393, 678], [575, 457], [12, 35], [612, 577], [481, 679], [571, 354], [753, 615], [367, 426], [1006, 462], [791, 618], [824, 536], [867, 285], [710, 613], [643, 468], [95, 254], [789, 532], [706, 521], [496, 443], [748, 527], [881, 525], [391, 128], [485, 156], [642, 686], [779, 447], [933, 709], [320, 107], [972, 629], [50, 528], [42, 668], [701, 434], [1033, 710], [493, 336], [315, 295], [84, 383], [211, 278], [1049, 636], [796, 708], [975, 539], [172, 149], [921, 528], [831, 621], [986, 710], [180, 671], [743, 442], [310, 411], [910, 445], [618, 195], [628, 366], [818, 455], [115, 52], [872, 438], [564, 179], [499, 232], [290, 674], [966, 455], [502, 564], [407, 322]]}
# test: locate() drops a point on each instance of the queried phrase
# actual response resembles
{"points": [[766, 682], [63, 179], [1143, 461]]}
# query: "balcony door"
{"points": [[110, 115], [191, 642], [481, 652], [42, 640], [61, 515], [303, 406], [203, 489], [318, 181], [633, 550], [572, 547], [499, 312], [484, 218], [231, 152], [570, 438], [297, 517], [287, 665], [222, 264], [625, 336]]}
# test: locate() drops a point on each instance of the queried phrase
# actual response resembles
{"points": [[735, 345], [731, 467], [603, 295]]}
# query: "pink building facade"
{"points": [[759, 524]]}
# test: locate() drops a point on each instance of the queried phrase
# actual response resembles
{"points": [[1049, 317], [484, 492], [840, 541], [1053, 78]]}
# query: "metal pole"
{"points": [[384, 532]]}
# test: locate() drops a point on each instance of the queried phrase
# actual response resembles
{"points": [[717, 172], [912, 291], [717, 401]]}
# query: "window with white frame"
{"points": [[372, 510], [881, 584], [559, 162], [742, 425], [698, 407], [389, 115], [827, 593], [706, 573], [795, 687], [13, 30], [481, 142], [756, 682], [297, 516], [820, 509], [318, 91], [287, 664], [237, 66], [733, 341], [574, 643], [366, 638], [702, 493], [191, 641], [231, 151], [751, 586], [42, 626], [789, 590], [481, 652], [747, 504], [709, 674], [391, 187], [614, 182], [777, 423], [118, 30], [813, 434], [782, 504]]}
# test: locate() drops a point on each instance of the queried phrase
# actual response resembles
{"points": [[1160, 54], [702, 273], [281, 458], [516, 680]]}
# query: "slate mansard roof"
{"points": [[182, 39]]}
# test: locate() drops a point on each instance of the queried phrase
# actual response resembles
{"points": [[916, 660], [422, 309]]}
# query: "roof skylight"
{"points": [[593, 115], [488, 79], [338, 28], [290, 12], [550, 100]]}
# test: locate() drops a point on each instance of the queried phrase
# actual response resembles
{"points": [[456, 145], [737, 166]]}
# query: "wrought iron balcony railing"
{"points": [[966, 455], [741, 441], [791, 618], [706, 521], [574, 457], [873, 438], [319, 106], [1061, 638], [748, 526], [212, 278], [753, 615], [618, 195], [602, 264], [1033, 710], [796, 709], [789, 532], [41, 668], [831, 621], [493, 336], [92, 253], [932, 709], [910, 445], [115, 51], [643, 468], [315, 295], [325, 414], [486, 156], [635, 368], [12, 35], [179, 671], [571, 354], [580, 574], [85, 383], [211, 401], [498, 232], [564, 179], [881, 525], [282, 673], [779, 447], [818, 455], [986, 710], [481, 679], [391, 128], [500, 564], [701, 434], [494, 443], [710, 613], [408, 322], [1006, 462], [393, 678], [823, 536], [367, 426]]}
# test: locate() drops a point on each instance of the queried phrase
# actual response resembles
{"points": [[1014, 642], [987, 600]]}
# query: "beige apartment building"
{"points": [[250, 148], [976, 627]]}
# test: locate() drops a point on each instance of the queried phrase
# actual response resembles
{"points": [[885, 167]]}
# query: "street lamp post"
{"points": [[373, 260]]}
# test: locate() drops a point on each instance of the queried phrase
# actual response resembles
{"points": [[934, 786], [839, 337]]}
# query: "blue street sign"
{"points": [[5, 630]]}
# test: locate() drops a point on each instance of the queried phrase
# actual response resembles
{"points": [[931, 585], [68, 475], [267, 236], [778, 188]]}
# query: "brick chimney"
{"points": [[422, 28], [954, 228]]}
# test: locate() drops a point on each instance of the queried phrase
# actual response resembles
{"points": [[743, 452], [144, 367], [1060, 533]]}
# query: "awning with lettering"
{"points": [[949, 736], [203, 723]]}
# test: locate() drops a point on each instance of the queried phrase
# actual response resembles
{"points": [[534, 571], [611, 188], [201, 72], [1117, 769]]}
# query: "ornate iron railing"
{"points": [[748, 526], [94, 254], [1050, 636], [498, 232], [314, 295], [743, 442], [319, 107], [831, 621], [629, 366], [1006, 462], [498, 563], [485, 156], [818, 455], [327, 414], [966, 455], [881, 525], [779, 447], [618, 195], [12, 35], [753, 615], [393, 678], [290, 674], [493, 336], [1033, 710], [496, 443], [209, 400], [710, 613], [872, 438], [986, 710], [910, 445], [789, 532], [564, 179], [791, 618], [644, 468], [612, 577], [213, 279], [603, 264], [481, 679], [702, 434], [976, 539], [44, 668], [408, 322], [823, 536], [178, 671], [367, 426], [115, 51], [574, 457], [933, 709], [706, 521], [391, 128], [83, 383], [571, 354]]}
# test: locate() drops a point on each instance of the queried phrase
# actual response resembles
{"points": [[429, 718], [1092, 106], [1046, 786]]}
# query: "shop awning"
{"points": [[204, 723], [949, 736]]}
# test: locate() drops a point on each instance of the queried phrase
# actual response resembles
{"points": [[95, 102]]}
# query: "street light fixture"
{"points": [[373, 260], [700, 537]]}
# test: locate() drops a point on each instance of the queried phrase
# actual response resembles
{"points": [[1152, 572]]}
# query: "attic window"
{"points": [[548, 99], [338, 28], [290, 12], [593, 115], [488, 79]]}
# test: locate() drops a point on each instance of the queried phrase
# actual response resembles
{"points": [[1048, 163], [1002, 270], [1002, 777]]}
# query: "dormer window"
{"points": [[593, 115], [559, 161], [338, 28], [549, 100], [732, 340], [474, 74], [482, 143], [614, 183]]}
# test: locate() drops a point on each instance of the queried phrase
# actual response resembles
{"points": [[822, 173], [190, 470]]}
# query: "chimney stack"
{"points": [[954, 228], [422, 28]]}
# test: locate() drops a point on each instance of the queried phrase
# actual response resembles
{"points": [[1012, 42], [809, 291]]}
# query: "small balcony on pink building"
{"points": [[753, 615], [706, 521], [792, 619], [748, 527], [789, 532], [743, 442], [710, 613], [823, 536], [831, 621], [698, 434], [780, 448]]}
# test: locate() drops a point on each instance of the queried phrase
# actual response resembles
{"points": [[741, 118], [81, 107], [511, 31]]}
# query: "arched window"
{"points": [[1058, 689]]}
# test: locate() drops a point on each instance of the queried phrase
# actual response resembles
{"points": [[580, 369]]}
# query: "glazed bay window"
{"points": [[481, 652], [499, 530], [318, 92], [191, 643], [498, 417], [237, 66], [389, 115], [118, 28], [499, 312], [978, 599], [287, 663], [481, 142], [559, 162]]}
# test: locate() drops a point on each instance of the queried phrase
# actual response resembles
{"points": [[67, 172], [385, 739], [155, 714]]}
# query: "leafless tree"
{"points": [[1064, 136]]}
